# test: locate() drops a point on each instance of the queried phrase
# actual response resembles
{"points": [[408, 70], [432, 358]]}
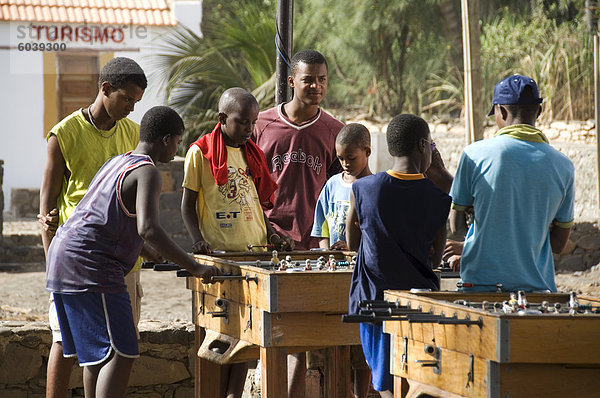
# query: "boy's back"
{"points": [[399, 216]]}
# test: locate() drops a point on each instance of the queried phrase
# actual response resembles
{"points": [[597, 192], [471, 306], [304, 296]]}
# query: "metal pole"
{"points": [[597, 114], [472, 70], [592, 25], [285, 30]]}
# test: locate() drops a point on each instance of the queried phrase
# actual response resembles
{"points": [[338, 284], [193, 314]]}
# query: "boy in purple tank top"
{"points": [[99, 244]]}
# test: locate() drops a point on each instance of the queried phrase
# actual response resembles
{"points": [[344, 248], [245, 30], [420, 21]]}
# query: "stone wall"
{"points": [[164, 369], [170, 202]]}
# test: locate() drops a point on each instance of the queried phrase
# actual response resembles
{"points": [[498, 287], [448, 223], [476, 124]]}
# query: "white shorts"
{"points": [[134, 288]]}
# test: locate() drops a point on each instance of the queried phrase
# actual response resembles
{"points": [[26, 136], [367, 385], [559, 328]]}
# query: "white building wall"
{"points": [[23, 147]]}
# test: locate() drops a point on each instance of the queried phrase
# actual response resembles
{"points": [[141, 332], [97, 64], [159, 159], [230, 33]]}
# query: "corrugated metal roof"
{"points": [[109, 12]]}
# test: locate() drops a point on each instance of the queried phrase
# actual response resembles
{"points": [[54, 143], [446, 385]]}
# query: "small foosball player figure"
{"points": [[557, 308], [573, 303], [288, 258], [283, 265], [521, 299], [332, 263], [512, 301], [321, 262], [274, 259], [307, 266]]}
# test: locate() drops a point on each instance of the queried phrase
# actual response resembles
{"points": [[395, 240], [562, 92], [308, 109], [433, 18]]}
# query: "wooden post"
{"points": [[285, 18], [337, 372], [207, 374], [273, 372], [472, 70], [597, 113]]}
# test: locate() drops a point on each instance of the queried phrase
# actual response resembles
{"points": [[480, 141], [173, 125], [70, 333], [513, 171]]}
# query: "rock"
{"points": [[184, 392], [589, 242], [148, 371], [569, 247], [571, 262], [18, 364]]}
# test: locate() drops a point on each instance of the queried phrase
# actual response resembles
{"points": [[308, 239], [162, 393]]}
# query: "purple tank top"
{"points": [[99, 244]]}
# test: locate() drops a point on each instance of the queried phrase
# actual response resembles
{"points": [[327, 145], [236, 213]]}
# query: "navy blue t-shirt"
{"points": [[399, 216]]}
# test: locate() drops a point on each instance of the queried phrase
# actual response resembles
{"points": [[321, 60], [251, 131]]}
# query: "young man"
{"points": [[397, 222], [77, 147], [298, 139], [100, 243], [522, 192]]}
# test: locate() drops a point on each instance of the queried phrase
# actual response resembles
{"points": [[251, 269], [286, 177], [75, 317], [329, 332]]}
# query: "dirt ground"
{"points": [[22, 295]]}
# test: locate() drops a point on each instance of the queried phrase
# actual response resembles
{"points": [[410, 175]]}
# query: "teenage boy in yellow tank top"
{"points": [[76, 148]]}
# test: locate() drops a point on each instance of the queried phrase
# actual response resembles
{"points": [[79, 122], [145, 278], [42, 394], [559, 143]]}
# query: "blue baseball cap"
{"points": [[508, 92]]}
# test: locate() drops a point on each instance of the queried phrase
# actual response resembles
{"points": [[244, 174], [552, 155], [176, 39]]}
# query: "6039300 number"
{"points": [[42, 46]]}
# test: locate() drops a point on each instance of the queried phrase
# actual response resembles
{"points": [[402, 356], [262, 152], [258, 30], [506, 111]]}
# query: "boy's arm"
{"points": [[353, 233], [52, 179], [281, 243], [324, 243], [437, 247], [458, 222], [190, 219], [437, 172], [149, 183], [559, 237]]}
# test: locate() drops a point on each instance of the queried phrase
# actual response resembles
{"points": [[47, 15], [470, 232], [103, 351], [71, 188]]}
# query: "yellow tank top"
{"points": [[85, 149]]}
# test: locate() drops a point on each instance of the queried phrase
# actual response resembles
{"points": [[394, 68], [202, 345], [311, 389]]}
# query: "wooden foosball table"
{"points": [[259, 311], [450, 344]]}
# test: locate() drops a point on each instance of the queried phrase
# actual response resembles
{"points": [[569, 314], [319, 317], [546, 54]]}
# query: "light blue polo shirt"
{"points": [[518, 185]]}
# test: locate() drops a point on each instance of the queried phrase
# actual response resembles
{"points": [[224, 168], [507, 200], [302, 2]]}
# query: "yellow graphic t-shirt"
{"points": [[230, 216]]}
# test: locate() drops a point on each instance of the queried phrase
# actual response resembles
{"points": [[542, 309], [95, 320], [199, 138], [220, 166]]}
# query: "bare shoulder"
{"points": [[146, 175]]}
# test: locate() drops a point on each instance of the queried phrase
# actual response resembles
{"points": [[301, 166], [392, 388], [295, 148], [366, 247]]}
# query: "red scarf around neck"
{"points": [[214, 149]]}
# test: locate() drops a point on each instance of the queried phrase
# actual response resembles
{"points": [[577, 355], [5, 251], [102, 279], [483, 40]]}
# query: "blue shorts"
{"points": [[376, 347], [93, 324]]}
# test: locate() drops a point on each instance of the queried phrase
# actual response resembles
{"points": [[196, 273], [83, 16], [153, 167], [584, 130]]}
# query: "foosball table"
{"points": [[266, 307], [452, 344]]}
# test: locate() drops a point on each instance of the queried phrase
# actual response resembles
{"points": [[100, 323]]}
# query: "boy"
{"points": [[77, 147], [100, 243], [397, 222], [298, 139], [517, 185], [353, 148], [225, 187]]}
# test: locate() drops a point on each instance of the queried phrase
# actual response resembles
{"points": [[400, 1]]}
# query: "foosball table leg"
{"points": [[337, 368], [208, 383], [401, 387], [273, 362]]}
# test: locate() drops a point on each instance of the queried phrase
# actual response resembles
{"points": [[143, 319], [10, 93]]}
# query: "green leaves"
{"points": [[236, 50]]}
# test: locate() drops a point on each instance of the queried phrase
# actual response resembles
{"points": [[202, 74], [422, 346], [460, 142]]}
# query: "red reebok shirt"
{"points": [[300, 158]]}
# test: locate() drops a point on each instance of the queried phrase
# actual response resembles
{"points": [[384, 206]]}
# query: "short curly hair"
{"points": [[119, 71], [309, 57], [159, 121], [404, 132], [354, 134]]}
